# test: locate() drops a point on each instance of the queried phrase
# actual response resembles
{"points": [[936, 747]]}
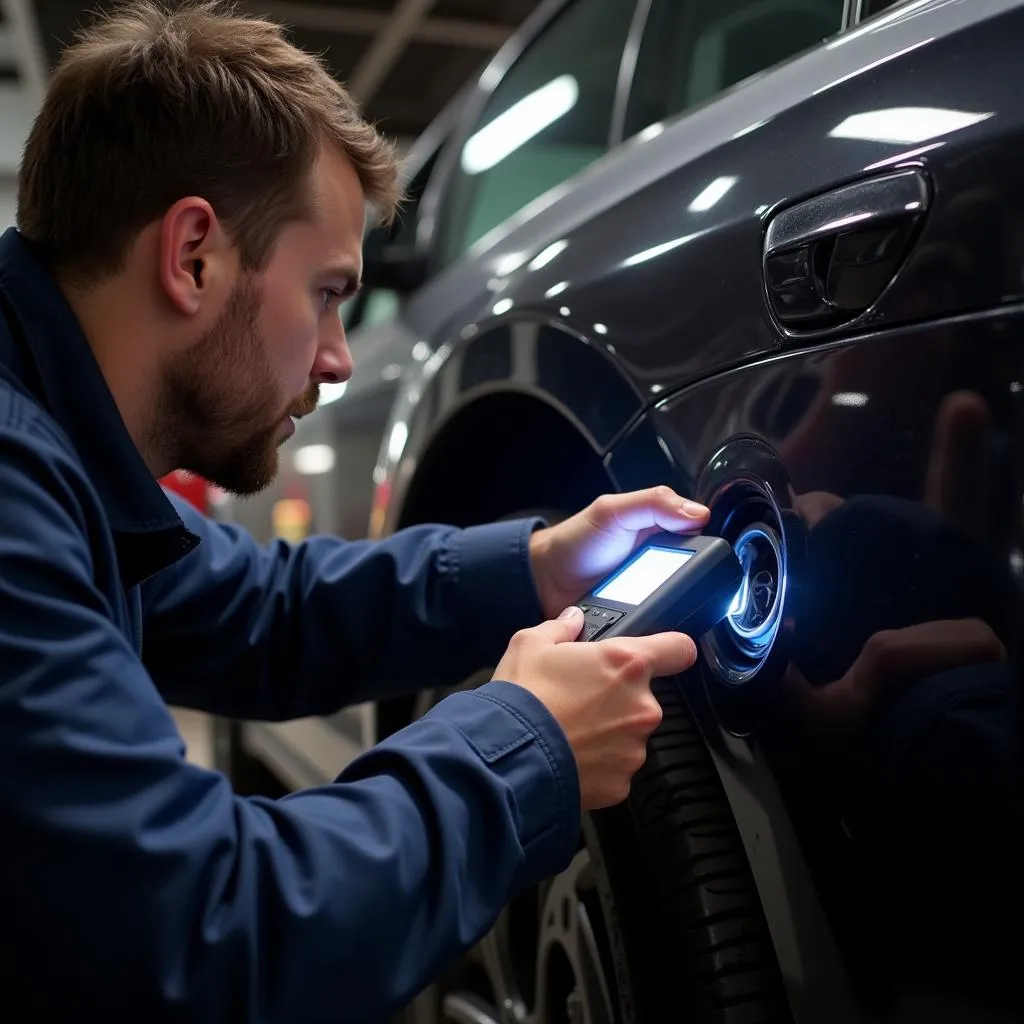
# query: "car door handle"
{"points": [[828, 259]]}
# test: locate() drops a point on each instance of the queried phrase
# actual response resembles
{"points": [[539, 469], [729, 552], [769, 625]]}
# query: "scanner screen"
{"points": [[641, 576]]}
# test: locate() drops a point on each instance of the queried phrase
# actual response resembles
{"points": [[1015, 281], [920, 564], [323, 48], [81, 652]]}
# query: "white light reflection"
{"points": [[659, 250], [751, 128], [396, 442], [850, 399], [545, 256], [501, 306], [520, 123], [906, 125], [712, 194], [874, 64], [509, 263], [652, 131], [556, 289], [313, 459], [901, 157], [600, 329]]}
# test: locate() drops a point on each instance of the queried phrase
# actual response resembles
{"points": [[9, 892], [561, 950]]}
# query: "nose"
{"points": [[333, 363]]}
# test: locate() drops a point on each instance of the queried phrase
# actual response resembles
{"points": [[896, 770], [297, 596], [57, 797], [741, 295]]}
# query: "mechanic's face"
{"points": [[279, 337]]}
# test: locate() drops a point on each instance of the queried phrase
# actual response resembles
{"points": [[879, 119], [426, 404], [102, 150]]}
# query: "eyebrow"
{"points": [[347, 273]]}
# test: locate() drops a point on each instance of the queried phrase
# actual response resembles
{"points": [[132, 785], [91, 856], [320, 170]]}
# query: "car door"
{"points": [[853, 418]]}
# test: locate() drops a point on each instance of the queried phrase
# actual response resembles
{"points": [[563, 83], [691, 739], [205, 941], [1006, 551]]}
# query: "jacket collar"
{"points": [[53, 359]]}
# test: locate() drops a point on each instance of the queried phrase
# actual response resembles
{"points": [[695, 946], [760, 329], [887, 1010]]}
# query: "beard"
{"points": [[220, 407]]}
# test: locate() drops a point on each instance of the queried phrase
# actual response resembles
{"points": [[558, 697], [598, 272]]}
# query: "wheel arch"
{"points": [[566, 472]]}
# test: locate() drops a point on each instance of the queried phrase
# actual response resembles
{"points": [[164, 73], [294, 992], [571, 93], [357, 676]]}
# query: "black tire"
{"points": [[689, 937], [678, 922]]}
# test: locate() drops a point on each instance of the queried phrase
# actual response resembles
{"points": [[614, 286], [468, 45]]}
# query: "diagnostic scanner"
{"points": [[671, 583]]}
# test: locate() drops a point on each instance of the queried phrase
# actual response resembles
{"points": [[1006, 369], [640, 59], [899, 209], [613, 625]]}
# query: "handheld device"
{"points": [[672, 582]]}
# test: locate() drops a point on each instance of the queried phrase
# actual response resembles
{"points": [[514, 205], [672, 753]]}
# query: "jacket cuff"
{"points": [[519, 740], [494, 584]]}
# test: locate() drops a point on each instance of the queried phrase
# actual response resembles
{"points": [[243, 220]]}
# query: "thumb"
{"points": [[561, 630]]}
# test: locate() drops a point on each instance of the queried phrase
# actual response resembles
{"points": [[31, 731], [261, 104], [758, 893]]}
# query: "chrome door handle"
{"points": [[828, 259]]}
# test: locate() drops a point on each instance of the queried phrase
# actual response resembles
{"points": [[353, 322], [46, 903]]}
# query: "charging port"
{"points": [[755, 613], [739, 645]]}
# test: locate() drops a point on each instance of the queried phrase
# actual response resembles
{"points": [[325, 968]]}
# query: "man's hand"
{"points": [[568, 559], [599, 693]]}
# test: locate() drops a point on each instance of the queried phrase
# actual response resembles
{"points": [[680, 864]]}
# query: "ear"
{"points": [[196, 256]]}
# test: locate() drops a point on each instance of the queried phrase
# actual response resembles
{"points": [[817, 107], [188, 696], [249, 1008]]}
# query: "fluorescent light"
{"points": [[501, 306], [706, 199], [906, 125], [313, 459], [545, 256], [332, 392], [556, 289], [520, 123], [850, 399]]}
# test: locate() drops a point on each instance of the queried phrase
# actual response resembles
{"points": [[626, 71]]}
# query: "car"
{"points": [[769, 253]]}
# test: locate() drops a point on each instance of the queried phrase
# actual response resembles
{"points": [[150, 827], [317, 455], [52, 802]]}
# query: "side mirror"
{"points": [[397, 267]]}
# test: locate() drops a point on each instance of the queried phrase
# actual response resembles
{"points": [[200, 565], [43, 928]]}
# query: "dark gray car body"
{"points": [[648, 350]]}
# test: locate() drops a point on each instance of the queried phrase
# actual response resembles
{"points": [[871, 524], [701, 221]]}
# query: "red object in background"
{"points": [[192, 488]]}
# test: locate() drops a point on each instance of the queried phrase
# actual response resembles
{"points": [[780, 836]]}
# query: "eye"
{"points": [[332, 298]]}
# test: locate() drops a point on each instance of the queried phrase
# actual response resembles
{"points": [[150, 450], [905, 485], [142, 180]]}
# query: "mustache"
{"points": [[306, 402]]}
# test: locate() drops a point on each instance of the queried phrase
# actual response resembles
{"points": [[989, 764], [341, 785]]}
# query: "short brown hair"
{"points": [[151, 104]]}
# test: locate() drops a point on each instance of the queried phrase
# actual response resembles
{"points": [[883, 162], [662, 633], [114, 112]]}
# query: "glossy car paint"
{"points": [[873, 784], [870, 762]]}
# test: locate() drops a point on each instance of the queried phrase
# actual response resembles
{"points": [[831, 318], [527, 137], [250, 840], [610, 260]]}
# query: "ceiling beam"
{"points": [[345, 21], [30, 56], [387, 46]]}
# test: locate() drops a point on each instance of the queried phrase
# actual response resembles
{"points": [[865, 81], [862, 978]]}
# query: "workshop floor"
{"points": [[195, 731]]}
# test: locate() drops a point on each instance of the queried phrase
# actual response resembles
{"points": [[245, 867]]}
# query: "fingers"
{"points": [[650, 657], [555, 631], [639, 510]]}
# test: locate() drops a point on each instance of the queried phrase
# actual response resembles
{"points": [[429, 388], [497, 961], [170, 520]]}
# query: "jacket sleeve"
{"points": [[140, 886], [284, 631]]}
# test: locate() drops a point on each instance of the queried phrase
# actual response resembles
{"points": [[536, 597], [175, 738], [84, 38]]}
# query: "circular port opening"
{"points": [[755, 612], [741, 643]]}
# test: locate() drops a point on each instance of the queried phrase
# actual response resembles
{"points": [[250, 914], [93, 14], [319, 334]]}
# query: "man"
{"points": [[190, 218]]}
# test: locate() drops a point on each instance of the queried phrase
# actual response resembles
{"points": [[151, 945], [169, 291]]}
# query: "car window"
{"points": [[377, 305], [547, 119], [692, 50], [869, 8]]}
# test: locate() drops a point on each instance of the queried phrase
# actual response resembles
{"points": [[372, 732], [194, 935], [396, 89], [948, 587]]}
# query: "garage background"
{"points": [[403, 59]]}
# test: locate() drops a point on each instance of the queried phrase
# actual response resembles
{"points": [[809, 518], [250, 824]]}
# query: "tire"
{"points": [[689, 938], [662, 895]]}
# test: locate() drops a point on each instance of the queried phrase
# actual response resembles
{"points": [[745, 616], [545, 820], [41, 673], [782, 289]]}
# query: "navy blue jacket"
{"points": [[137, 886]]}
